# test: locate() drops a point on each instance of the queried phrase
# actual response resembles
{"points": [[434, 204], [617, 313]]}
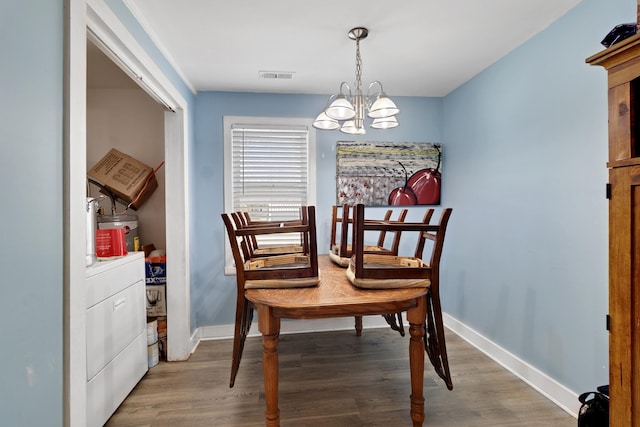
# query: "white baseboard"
{"points": [[288, 326], [541, 382]]}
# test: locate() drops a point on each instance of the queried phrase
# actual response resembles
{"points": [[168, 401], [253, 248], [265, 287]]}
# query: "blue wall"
{"points": [[526, 148], [133, 26], [213, 294], [525, 264], [524, 167], [31, 239], [525, 153]]}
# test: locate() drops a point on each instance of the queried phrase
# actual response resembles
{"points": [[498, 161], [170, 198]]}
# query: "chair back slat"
{"points": [[395, 246], [344, 229], [251, 249], [277, 266], [238, 258], [383, 234], [342, 241], [389, 270], [437, 238], [334, 226]]}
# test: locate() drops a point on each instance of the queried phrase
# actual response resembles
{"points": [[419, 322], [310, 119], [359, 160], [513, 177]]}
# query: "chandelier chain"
{"points": [[358, 66]]}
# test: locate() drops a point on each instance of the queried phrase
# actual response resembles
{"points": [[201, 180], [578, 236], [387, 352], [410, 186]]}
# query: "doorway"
{"points": [[105, 31], [94, 19]]}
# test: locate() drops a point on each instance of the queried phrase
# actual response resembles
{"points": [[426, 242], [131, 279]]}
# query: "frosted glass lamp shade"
{"points": [[340, 109], [351, 128], [383, 107], [325, 122], [385, 123]]}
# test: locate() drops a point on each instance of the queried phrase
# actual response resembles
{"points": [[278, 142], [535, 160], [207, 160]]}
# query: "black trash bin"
{"points": [[594, 411]]}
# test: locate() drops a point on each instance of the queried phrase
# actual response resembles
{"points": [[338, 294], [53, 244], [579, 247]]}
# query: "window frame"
{"points": [[228, 123]]}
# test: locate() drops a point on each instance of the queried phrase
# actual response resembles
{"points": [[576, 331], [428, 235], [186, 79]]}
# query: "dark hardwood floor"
{"points": [[334, 379]]}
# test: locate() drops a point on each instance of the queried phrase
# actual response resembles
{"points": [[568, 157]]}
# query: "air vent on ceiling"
{"points": [[276, 74]]}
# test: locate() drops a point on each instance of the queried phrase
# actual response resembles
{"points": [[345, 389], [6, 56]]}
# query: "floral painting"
{"points": [[388, 173]]}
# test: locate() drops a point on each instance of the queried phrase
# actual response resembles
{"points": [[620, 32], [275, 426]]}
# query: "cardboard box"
{"points": [[162, 327], [162, 335], [156, 296], [155, 270], [126, 177]]}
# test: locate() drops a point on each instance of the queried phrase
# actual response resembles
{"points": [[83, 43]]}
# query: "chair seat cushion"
{"points": [[289, 268], [397, 263], [343, 261], [337, 259], [304, 282]]}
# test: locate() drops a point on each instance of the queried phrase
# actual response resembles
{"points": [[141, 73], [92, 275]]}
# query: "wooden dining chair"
{"points": [[340, 252], [243, 220], [378, 272], [277, 271], [394, 320]]}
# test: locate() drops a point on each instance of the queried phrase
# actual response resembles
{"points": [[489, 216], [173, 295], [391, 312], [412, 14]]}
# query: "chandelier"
{"points": [[346, 110]]}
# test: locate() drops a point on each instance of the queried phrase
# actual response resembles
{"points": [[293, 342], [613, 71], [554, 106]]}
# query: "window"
{"points": [[269, 169]]}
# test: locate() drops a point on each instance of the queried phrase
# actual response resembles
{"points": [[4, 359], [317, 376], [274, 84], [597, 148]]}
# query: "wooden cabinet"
{"points": [[622, 62], [116, 334]]}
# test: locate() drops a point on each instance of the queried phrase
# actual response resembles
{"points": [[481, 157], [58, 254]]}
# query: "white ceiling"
{"points": [[415, 47]]}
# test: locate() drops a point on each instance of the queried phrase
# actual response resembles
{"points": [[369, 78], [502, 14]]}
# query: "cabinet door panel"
{"points": [[106, 278], [620, 122], [624, 295], [107, 390], [112, 325]]}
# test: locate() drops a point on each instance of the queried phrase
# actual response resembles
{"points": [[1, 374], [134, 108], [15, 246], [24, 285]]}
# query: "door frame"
{"points": [[94, 18]]}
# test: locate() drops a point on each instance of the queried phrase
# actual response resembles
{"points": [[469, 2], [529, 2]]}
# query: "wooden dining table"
{"points": [[335, 296]]}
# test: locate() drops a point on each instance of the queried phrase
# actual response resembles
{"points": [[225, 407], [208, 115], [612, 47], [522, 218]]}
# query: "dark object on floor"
{"points": [[594, 411], [604, 389], [619, 33]]}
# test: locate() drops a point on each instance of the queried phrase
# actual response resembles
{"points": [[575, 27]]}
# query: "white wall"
{"points": [[525, 147]]}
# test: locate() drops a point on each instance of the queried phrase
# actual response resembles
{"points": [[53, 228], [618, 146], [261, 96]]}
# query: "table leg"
{"points": [[269, 326], [416, 317], [358, 326]]}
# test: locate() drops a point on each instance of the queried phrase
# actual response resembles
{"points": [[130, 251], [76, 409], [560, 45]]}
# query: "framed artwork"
{"points": [[388, 173]]}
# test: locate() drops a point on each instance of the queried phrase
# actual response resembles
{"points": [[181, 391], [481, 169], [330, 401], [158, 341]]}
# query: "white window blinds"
{"points": [[269, 171], [270, 167]]}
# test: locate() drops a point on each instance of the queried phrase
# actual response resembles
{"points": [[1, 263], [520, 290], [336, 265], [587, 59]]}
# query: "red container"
{"points": [[110, 243]]}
